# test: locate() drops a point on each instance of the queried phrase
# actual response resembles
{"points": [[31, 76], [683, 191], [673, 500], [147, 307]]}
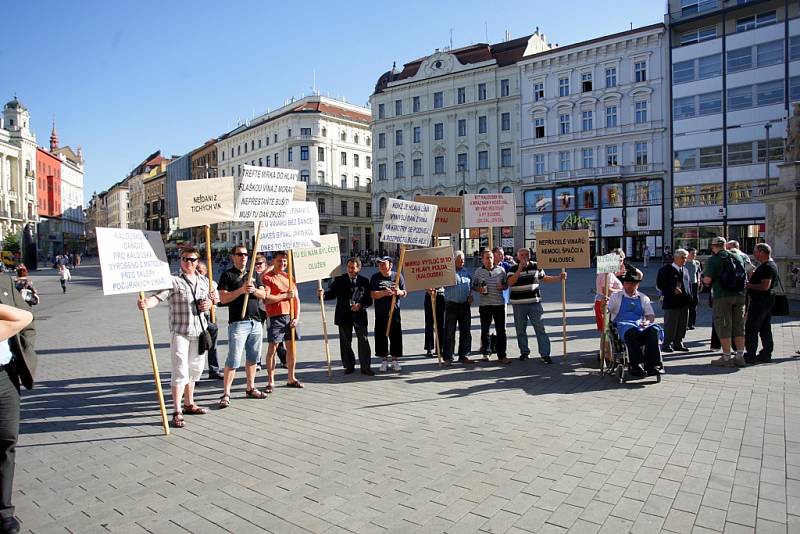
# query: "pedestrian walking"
{"points": [[759, 312], [64, 276], [674, 282]]}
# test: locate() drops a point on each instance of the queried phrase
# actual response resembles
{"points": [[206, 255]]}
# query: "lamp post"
{"points": [[767, 126], [462, 234]]}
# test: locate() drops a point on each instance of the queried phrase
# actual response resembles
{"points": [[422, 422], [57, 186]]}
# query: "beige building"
{"points": [[116, 207], [17, 170], [154, 164], [155, 213]]}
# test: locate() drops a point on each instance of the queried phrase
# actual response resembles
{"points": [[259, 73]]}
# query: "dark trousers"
{"points": [[213, 364], [395, 336], [430, 342], [634, 339], [496, 314], [457, 313], [675, 321], [346, 346], [759, 324], [9, 430], [64, 286], [693, 306]]}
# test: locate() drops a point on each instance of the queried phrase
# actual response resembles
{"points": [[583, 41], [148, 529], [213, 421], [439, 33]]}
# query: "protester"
{"points": [[25, 287], [283, 310], [457, 300], [692, 266], [674, 282], [430, 339], [759, 312], [189, 298], [725, 273], [213, 330], [352, 294], [63, 276], [633, 316], [490, 280], [383, 287], [260, 269], [17, 367], [506, 264], [526, 301], [245, 334]]}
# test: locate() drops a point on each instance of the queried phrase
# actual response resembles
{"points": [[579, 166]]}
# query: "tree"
{"points": [[11, 243]]}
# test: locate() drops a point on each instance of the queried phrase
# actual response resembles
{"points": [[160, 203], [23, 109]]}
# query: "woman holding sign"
{"points": [[383, 289]]}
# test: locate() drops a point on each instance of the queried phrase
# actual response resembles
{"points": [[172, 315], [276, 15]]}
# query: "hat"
{"points": [[631, 276], [718, 241], [386, 258]]}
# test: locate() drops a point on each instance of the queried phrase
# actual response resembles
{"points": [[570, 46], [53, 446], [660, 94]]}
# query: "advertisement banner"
{"points": [[448, 214], [566, 248], [408, 223], [207, 201], [489, 210], [132, 261], [429, 267], [263, 193], [611, 221]]}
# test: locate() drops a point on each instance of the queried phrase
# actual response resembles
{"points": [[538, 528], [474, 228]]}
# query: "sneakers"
{"points": [[546, 359], [396, 366], [723, 361], [666, 348], [523, 357], [738, 361], [384, 366]]}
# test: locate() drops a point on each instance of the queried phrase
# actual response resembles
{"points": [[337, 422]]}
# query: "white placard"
{"points": [[319, 262], [207, 201], [408, 223], [132, 261], [489, 210], [608, 264], [298, 229], [264, 193]]}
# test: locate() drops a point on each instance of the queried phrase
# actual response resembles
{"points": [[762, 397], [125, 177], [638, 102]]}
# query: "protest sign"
{"points": [[299, 192], [489, 210], [429, 267], [408, 223], [319, 262], [263, 193], [566, 249], [609, 263], [299, 228], [448, 213], [132, 261], [207, 201]]}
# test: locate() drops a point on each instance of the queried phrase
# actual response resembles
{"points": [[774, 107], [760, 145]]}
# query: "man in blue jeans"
{"points": [[526, 301]]}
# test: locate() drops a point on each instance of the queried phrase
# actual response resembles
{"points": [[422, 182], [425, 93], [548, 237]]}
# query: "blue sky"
{"points": [[123, 79]]}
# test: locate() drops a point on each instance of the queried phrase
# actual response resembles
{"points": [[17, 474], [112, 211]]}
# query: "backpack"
{"points": [[732, 276]]}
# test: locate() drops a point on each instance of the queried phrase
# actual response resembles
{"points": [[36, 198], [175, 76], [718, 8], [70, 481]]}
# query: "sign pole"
{"points": [[325, 331], [396, 283], [491, 237], [159, 393], [437, 344], [605, 339], [291, 303], [210, 266], [253, 267], [564, 310]]}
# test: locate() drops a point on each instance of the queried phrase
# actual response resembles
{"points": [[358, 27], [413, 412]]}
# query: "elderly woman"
{"points": [[614, 285], [633, 316]]}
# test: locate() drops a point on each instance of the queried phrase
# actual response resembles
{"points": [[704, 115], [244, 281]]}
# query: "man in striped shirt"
{"points": [[489, 280], [526, 301]]}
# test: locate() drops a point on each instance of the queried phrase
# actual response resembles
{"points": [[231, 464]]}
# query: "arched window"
{"points": [[304, 176], [355, 138], [400, 197], [439, 193], [483, 191], [507, 189], [462, 193], [344, 136], [324, 132], [368, 141], [320, 177], [382, 206]]}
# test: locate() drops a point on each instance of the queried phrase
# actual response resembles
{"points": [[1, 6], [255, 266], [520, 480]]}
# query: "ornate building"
{"points": [[17, 170]]}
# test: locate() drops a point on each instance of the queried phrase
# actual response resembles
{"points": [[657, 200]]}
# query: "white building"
{"points": [[117, 205], [328, 141], [73, 221], [448, 123], [593, 137], [17, 170], [735, 70]]}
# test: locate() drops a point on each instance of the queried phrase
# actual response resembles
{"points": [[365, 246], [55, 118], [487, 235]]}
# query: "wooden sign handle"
{"points": [[253, 268], [396, 283], [291, 302], [564, 310], [325, 330], [210, 266], [154, 362]]}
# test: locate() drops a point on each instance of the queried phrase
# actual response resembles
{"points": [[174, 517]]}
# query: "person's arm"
{"points": [[763, 284], [153, 300], [647, 307], [401, 288], [550, 279], [272, 296], [226, 296], [331, 292], [13, 320], [513, 278]]}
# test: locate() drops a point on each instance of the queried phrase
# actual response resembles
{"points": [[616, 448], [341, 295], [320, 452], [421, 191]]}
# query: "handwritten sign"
{"points": [[132, 261], [202, 202], [298, 229], [566, 248], [263, 193], [408, 223], [319, 262], [489, 210], [609, 263], [448, 214], [429, 267]]}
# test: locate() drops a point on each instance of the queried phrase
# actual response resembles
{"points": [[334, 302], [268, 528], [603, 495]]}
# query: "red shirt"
{"points": [[276, 283]]}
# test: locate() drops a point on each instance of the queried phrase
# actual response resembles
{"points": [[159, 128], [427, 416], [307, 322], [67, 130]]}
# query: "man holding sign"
{"points": [[280, 294]]}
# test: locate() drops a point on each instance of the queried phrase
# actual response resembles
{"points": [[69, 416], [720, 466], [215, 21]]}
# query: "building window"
{"points": [[640, 71], [587, 120], [564, 160], [505, 157], [564, 123], [268, 160], [381, 171], [755, 21], [710, 157], [481, 91], [320, 177], [381, 111], [368, 210], [538, 91], [611, 156], [462, 95], [343, 158], [740, 59], [740, 98], [640, 149], [462, 127], [769, 93], [304, 176], [587, 155], [769, 53], [321, 205], [505, 89], [438, 165], [303, 131], [538, 164], [259, 162], [685, 160], [483, 159], [416, 167], [417, 134], [355, 160], [289, 154], [320, 153], [398, 138], [304, 153], [775, 150], [438, 131], [438, 100], [683, 108], [398, 107], [740, 153], [343, 136], [505, 121], [461, 161], [415, 104], [699, 35], [586, 82], [640, 112], [369, 162], [611, 116], [381, 140], [611, 77], [343, 207], [538, 128], [356, 209], [482, 125], [563, 86]]}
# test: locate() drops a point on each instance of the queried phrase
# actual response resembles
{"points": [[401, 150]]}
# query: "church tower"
{"points": [[53, 138], [16, 117]]}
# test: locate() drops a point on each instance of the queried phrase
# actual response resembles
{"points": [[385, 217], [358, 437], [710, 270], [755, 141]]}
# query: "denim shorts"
{"points": [[244, 336], [278, 330]]}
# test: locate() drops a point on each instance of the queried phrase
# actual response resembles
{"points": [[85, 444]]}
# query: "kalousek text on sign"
{"points": [[565, 249]]}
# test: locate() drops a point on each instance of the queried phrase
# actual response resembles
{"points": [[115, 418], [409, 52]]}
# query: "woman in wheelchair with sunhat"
{"points": [[633, 316]]}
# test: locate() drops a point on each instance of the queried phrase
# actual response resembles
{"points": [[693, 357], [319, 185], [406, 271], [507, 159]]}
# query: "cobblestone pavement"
{"points": [[522, 448]]}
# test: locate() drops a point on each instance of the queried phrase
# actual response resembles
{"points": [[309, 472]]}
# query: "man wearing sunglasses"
{"points": [[245, 334]]}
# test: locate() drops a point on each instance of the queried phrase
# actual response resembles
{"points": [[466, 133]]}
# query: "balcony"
{"points": [[611, 171]]}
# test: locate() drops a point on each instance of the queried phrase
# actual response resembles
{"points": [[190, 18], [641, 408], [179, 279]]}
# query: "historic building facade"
{"points": [[17, 170]]}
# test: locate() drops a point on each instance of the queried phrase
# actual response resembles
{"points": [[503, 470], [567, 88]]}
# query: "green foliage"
{"points": [[11, 243]]}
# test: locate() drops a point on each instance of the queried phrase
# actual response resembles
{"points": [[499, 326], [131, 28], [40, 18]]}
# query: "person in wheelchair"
{"points": [[632, 314]]}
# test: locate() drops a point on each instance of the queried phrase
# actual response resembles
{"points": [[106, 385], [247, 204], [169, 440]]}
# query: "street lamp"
{"points": [[462, 235], [767, 126]]}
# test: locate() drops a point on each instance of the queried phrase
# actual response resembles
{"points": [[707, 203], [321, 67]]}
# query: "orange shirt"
{"points": [[276, 283]]}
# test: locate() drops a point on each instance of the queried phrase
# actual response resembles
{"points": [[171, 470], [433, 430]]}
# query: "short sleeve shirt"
{"points": [[713, 270], [766, 271], [491, 278], [277, 283], [231, 280], [378, 282]]}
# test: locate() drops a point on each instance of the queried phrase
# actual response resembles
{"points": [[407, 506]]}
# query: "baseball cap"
{"points": [[718, 241], [386, 258]]}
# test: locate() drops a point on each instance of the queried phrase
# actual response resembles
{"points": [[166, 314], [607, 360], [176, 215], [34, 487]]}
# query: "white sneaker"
{"points": [[738, 361], [722, 361], [396, 366], [384, 366]]}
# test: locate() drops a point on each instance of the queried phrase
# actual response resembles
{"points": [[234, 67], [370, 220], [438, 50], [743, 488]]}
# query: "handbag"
{"points": [[780, 307], [204, 341]]}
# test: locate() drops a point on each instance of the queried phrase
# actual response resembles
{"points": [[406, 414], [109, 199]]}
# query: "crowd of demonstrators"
{"points": [[383, 287]]}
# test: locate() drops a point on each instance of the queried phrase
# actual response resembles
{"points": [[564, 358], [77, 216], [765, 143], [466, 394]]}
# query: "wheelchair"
{"points": [[620, 362]]}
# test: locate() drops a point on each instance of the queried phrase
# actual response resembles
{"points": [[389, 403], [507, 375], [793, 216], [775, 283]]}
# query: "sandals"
{"points": [[177, 420], [269, 389], [224, 401], [255, 394], [193, 409], [295, 384]]}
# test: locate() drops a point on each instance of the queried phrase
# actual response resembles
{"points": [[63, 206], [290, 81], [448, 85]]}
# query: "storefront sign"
{"points": [[611, 220], [643, 219], [564, 249]]}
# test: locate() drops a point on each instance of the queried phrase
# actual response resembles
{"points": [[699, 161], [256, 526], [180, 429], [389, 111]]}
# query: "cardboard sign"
{"points": [[132, 261], [429, 267], [566, 248], [448, 214], [263, 193], [319, 262], [298, 229], [202, 202], [300, 192], [408, 223], [489, 210], [608, 264]]}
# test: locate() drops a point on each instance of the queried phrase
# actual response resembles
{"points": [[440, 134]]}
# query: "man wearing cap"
{"points": [[729, 303], [633, 316], [674, 282], [383, 287]]}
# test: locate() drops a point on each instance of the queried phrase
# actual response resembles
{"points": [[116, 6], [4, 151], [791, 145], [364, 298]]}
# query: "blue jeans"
{"points": [[532, 312], [244, 336]]}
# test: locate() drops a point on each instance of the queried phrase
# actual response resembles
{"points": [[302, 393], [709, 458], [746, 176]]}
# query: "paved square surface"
{"points": [[519, 448]]}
